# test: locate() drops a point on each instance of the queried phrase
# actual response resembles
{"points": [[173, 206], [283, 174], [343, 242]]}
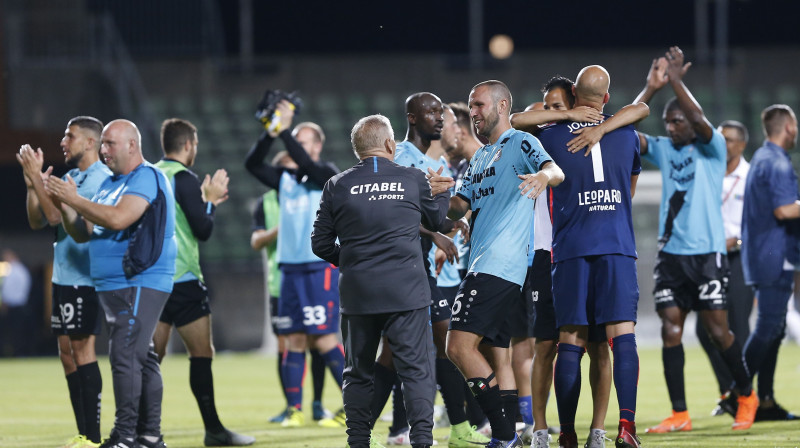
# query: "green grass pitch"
{"points": [[35, 410]]}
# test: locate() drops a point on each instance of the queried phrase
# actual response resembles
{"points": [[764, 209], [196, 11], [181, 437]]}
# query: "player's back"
{"points": [[591, 209]]}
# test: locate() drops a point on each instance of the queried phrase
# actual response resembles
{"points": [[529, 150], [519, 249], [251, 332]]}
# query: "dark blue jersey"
{"points": [[592, 207]]}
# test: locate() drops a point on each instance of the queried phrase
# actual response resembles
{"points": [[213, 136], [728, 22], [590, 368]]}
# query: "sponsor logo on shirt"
{"points": [[377, 187], [600, 200]]}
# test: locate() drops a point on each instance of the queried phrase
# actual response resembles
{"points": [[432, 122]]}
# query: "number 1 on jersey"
{"points": [[597, 163]]}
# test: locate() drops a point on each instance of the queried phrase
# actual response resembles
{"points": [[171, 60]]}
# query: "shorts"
{"points": [[273, 313], [595, 290], [75, 310], [187, 303], [691, 282], [309, 300], [522, 311], [440, 307], [483, 307]]}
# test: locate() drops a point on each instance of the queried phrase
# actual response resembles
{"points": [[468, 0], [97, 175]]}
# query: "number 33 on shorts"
{"points": [[314, 315]]}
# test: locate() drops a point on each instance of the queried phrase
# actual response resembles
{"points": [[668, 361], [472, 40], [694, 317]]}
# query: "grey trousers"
{"points": [[410, 338], [132, 315]]}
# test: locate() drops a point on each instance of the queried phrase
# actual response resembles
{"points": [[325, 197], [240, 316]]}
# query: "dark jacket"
{"points": [[375, 209]]}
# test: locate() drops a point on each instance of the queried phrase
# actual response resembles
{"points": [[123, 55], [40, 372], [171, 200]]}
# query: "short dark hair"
{"points": [[560, 82], [671, 105], [740, 128], [461, 110], [88, 123], [175, 132], [774, 117]]}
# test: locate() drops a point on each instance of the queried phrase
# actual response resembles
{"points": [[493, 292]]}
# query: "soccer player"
{"points": [[594, 277], [132, 304], [375, 210], [75, 315], [691, 267], [187, 307], [770, 205], [559, 102], [308, 305], [501, 220]]}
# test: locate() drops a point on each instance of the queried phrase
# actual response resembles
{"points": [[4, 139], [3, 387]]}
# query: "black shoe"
{"points": [[774, 413], [728, 404], [143, 443], [115, 441], [227, 438]]}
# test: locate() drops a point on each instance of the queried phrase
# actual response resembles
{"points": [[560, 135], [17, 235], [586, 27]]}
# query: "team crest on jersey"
{"points": [[498, 155]]}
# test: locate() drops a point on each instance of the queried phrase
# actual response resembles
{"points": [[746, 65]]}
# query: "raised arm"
{"points": [[587, 137], [676, 69], [258, 167], [318, 172], [189, 194], [42, 211]]}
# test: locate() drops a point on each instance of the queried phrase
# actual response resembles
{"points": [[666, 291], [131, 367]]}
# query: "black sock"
{"points": [[399, 418], [317, 373], [475, 414], [492, 405], [766, 374], [450, 383], [91, 391], [280, 376], [673, 359], [384, 381], [510, 399], [76, 398], [733, 358], [202, 383]]}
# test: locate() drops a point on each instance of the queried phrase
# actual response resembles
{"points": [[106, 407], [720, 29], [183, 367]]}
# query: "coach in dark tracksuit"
{"points": [[375, 209]]}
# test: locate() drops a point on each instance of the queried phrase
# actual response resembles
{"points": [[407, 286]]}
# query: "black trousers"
{"points": [[410, 338], [740, 305]]}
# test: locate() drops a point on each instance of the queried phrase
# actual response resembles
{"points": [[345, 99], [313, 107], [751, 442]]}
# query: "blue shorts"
{"points": [[595, 290], [309, 300]]}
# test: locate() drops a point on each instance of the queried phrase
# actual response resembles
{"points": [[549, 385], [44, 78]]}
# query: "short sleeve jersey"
{"points": [[299, 202], [501, 216], [107, 246], [768, 242], [409, 155], [71, 259], [690, 219], [592, 207]]}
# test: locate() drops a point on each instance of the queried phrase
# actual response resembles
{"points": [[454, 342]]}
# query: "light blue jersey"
{"points": [[299, 203], [71, 259], [690, 219], [409, 155], [501, 216], [107, 246]]}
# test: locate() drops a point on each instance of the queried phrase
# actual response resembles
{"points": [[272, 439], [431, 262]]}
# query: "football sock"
{"points": [[399, 418], [91, 392], [510, 401], [334, 359], [201, 381], [450, 383], [673, 359], [526, 409], [567, 382], [317, 373], [280, 376], [733, 359], [475, 414], [384, 381], [626, 375], [76, 398], [492, 405], [294, 368]]}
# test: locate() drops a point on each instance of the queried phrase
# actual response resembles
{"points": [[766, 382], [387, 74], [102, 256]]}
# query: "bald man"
{"points": [[132, 304], [594, 257]]}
